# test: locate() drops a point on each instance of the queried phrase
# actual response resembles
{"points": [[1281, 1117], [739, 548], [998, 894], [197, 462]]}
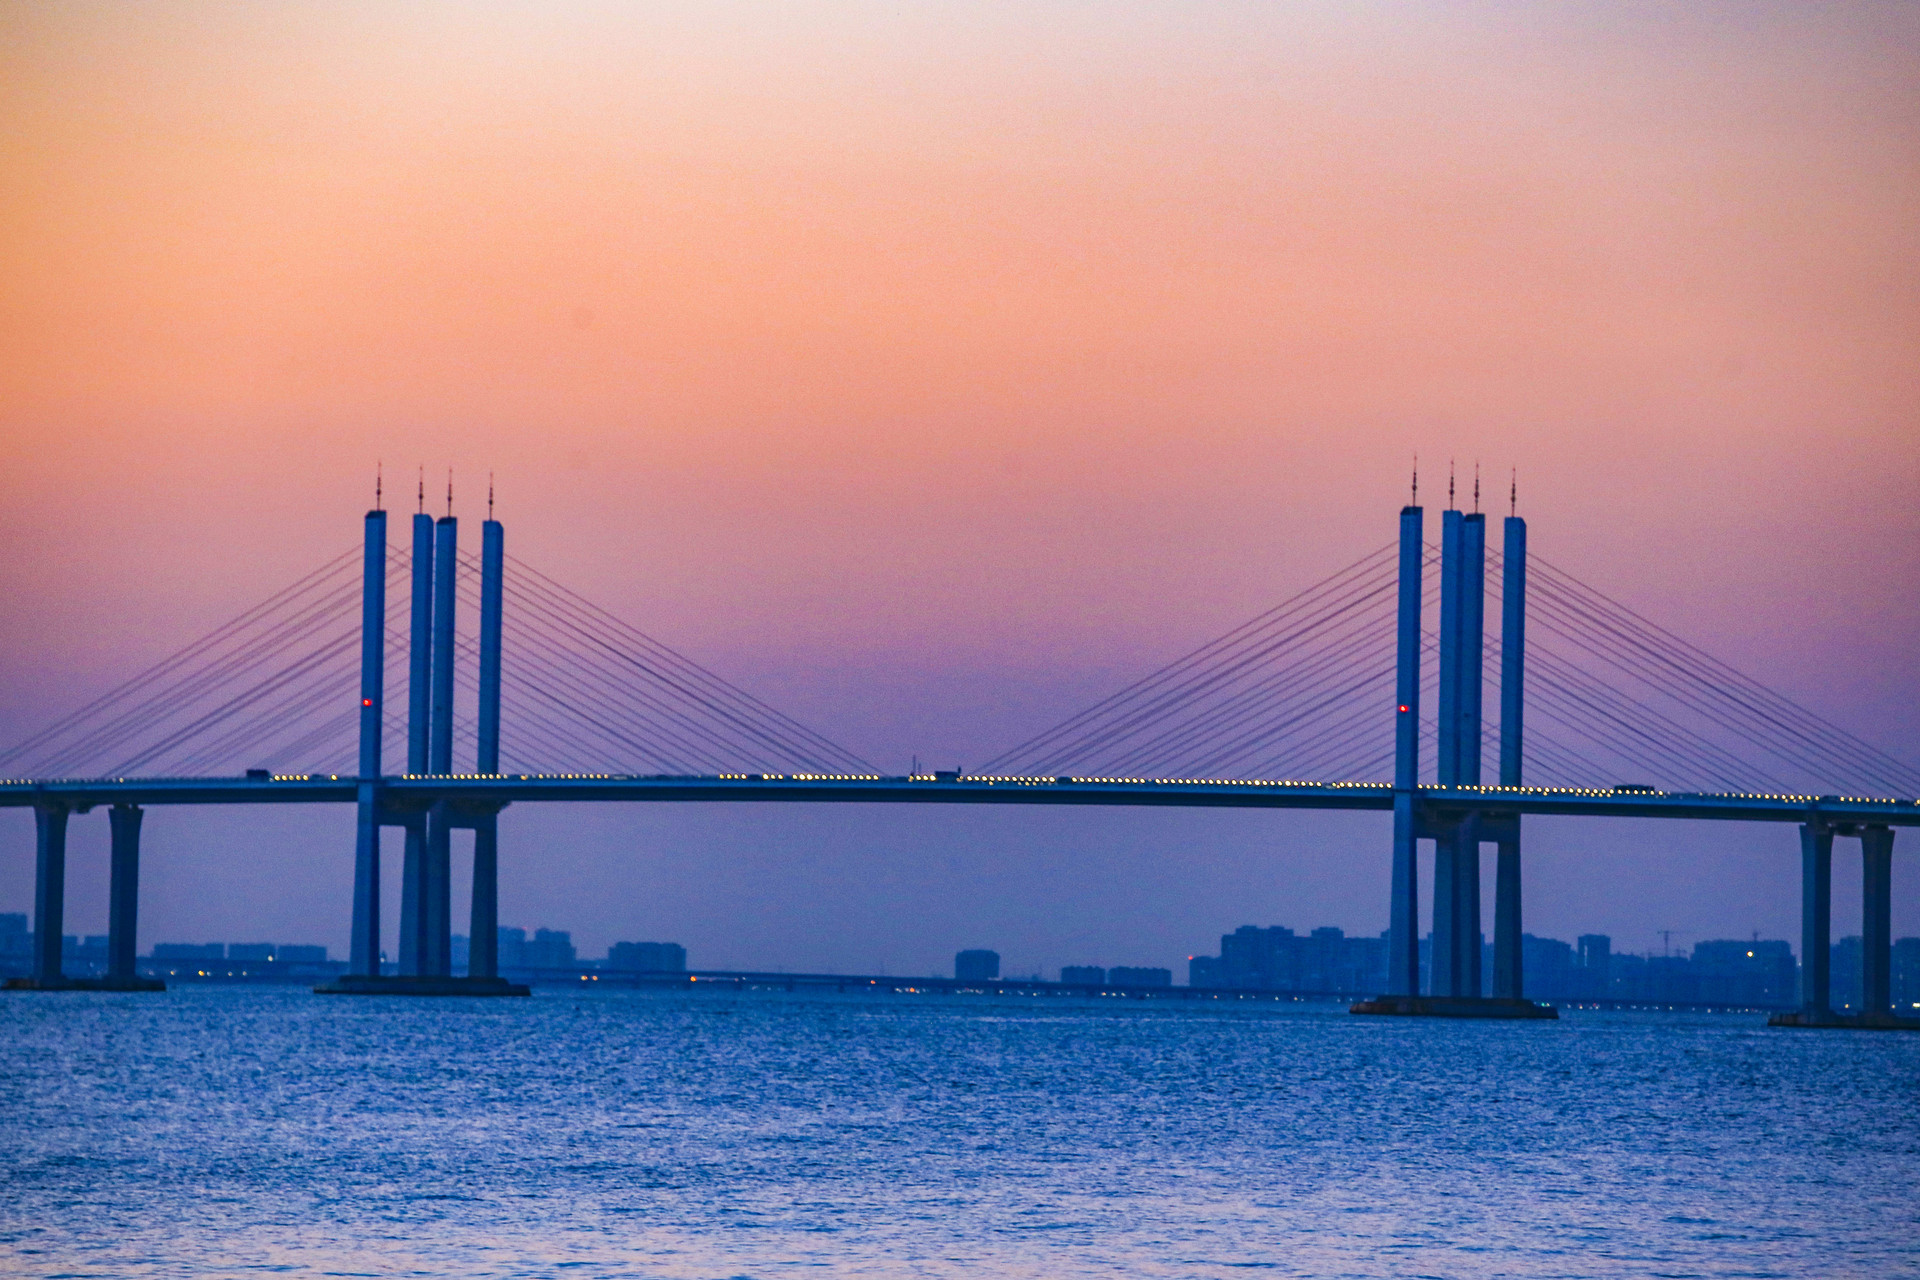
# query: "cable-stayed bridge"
{"points": [[1320, 702]]}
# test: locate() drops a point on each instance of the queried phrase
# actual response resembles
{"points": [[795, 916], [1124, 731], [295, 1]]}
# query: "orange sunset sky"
{"points": [[932, 369]]}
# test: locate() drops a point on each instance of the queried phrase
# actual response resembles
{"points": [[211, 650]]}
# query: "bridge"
{"points": [[1330, 684]]}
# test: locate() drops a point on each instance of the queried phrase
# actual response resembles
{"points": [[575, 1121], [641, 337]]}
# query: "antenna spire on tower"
{"points": [[1449, 484], [1476, 488], [449, 493], [489, 495], [1416, 481], [376, 485], [1513, 493], [421, 496]]}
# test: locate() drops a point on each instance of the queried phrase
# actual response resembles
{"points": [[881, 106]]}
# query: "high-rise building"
{"points": [[189, 951], [1091, 975], [1758, 973], [976, 966], [513, 948], [1906, 976], [1277, 959], [1594, 963], [550, 949], [647, 957]]}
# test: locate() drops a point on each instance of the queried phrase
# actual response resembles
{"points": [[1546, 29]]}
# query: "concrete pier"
{"points": [[1876, 935], [50, 901], [1508, 980], [1444, 951], [49, 890], [1816, 917], [1876, 920], [123, 891]]}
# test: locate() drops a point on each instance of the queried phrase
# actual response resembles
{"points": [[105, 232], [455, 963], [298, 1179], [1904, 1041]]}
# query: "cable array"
{"points": [[583, 690], [1295, 690], [278, 688], [1305, 691], [256, 691], [1613, 697]]}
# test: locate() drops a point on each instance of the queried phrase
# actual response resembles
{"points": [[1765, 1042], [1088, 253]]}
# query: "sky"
{"points": [[933, 370]]}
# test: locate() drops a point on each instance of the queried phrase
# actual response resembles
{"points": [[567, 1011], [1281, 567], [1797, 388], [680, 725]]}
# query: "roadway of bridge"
{"points": [[415, 792]]}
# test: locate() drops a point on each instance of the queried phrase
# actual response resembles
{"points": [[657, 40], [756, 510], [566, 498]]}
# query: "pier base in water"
{"points": [[85, 984], [397, 985], [1845, 1021], [1453, 1007]]}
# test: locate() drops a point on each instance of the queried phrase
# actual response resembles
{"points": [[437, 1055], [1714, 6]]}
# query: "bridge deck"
{"points": [[420, 791]]}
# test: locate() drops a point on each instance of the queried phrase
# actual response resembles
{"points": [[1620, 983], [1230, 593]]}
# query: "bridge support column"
{"points": [[1403, 917], [483, 944], [49, 889], [363, 949], [123, 893], [1508, 961], [413, 896], [1403, 924], [1876, 920], [484, 928], [1506, 921], [1816, 917], [1466, 891], [1444, 951], [436, 910]]}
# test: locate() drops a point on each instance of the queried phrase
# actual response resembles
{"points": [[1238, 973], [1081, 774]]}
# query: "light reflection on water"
{"points": [[609, 1133]]}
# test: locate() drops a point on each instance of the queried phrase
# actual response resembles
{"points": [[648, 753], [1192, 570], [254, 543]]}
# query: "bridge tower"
{"points": [[419, 705], [1507, 977], [1455, 980], [363, 950], [1403, 933], [426, 938]]}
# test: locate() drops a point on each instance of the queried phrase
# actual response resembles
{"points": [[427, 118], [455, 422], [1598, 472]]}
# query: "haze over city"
{"points": [[931, 374]]}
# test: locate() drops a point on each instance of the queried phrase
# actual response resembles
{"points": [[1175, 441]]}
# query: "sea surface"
{"points": [[236, 1131]]}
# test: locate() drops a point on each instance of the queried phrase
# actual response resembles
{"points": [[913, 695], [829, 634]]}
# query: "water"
{"points": [[228, 1131]]}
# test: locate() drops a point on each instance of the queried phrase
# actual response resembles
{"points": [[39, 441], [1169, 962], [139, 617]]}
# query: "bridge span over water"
{"points": [[1332, 681]]}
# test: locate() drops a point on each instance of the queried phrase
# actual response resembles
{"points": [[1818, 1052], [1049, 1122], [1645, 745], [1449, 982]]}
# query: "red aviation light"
{"points": [[1404, 708], [367, 702]]}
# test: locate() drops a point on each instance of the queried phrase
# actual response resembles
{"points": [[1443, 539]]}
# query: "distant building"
{"points": [[461, 952], [513, 948], [1845, 974], [976, 966], [16, 944], [647, 957], [550, 949], [249, 951], [189, 951], [1756, 973], [1277, 959], [1091, 975], [1906, 975], [1127, 976]]}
